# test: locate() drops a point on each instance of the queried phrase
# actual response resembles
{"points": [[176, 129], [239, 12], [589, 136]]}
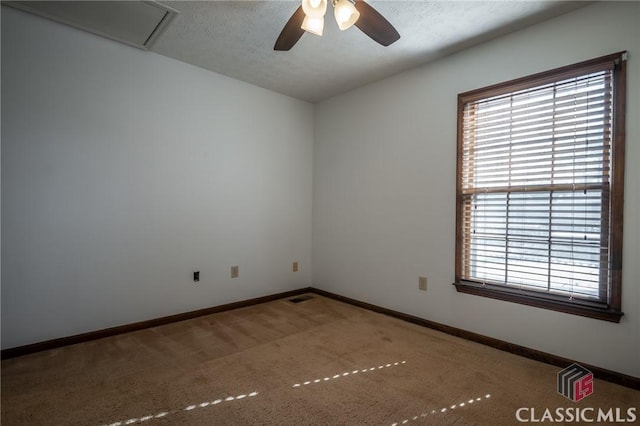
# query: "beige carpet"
{"points": [[280, 363]]}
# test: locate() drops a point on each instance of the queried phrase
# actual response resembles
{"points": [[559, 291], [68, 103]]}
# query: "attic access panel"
{"points": [[136, 23]]}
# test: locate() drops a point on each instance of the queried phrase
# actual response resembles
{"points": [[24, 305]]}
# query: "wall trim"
{"points": [[121, 329], [600, 373], [547, 358]]}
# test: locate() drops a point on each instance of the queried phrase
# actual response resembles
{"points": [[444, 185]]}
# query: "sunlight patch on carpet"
{"points": [[190, 407], [347, 373], [442, 410]]}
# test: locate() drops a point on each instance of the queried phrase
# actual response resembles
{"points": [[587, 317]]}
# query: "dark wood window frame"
{"points": [[609, 306]]}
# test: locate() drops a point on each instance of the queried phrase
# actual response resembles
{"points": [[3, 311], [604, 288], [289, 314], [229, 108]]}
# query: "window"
{"points": [[540, 179]]}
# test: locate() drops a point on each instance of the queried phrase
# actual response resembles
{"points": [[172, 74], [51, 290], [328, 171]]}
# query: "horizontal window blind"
{"points": [[534, 187]]}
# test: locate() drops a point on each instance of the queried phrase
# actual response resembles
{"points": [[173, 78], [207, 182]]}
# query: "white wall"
{"points": [[123, 171], [384, 189]]}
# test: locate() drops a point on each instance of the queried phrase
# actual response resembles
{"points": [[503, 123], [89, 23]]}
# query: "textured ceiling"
{"points": [[236, 38]]}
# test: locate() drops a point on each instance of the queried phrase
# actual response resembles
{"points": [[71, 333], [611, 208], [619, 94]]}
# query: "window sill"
{"points": [[551, 302]]}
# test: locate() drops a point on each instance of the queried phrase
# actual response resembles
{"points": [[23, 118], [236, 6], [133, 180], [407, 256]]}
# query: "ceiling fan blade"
{"points": [[291, 32], [373, 24]]}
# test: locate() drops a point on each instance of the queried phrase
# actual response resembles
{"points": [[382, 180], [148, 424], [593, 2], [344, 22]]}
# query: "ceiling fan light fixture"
{"points": [[345, 13], [313, 25], [314, 8]]}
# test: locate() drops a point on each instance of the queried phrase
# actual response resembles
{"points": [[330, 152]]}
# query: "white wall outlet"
{"points": [[235, 271], [422, 283]]}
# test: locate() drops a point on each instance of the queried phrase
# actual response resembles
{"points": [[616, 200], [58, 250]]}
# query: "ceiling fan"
{"points": [[309, 17]]}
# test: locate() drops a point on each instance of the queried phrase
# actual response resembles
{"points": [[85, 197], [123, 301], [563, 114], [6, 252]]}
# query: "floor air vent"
{"points": [[301, 298]]}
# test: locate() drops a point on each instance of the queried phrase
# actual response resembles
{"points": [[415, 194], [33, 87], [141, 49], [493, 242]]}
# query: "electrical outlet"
{"points": [[422, 283], [235, 272], [196, 276], [295, 267]]}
